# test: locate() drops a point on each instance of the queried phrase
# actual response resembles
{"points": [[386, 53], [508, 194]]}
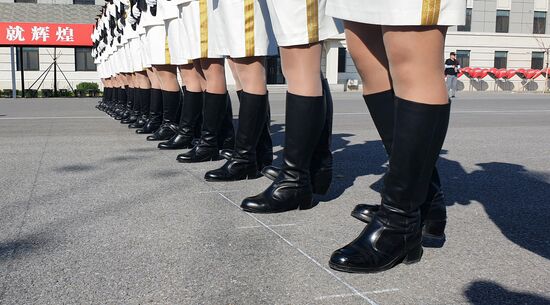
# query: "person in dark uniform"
{"points": [[452, 66]]}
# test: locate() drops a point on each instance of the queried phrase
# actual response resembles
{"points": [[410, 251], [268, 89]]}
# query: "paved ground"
{"points": [[91, 213]]}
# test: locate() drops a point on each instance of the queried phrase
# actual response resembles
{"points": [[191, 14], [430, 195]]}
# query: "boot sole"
{"points": [[301, 206], [199, 161], [412, 257], [240, 178]]}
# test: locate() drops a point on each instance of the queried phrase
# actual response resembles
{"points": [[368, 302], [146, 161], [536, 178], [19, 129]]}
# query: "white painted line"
{"points": [[56, 118], [271, 226], [218, 191], [334, 296], [349, 286]]}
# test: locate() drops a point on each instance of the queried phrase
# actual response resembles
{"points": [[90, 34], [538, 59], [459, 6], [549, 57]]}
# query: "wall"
{"points": [[65, 62]]}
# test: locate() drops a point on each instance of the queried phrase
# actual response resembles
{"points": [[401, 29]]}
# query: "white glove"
{"points": [[151, 2], [135, 11]]}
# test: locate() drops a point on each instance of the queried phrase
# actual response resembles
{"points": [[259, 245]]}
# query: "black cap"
{"points": [[453, 53]]}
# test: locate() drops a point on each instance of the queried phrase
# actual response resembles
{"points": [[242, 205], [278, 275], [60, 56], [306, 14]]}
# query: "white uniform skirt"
{"points": [[243, 29], [199, 29], [135, 50], [299, 22], [145, 53], [400, 12], [127, 54], [157, 42], [176, 43]]}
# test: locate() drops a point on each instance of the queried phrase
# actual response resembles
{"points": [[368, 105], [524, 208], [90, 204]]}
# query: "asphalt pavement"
{"points": [[91, 213]]}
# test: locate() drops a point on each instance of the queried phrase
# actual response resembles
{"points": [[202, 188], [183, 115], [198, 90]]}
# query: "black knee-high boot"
{"points": [[170, 107], [394, 234], [143, 99], [382, 109], [305, 118], [122, 100], [264, 149], [129, 110], [213, 114], [155, 113], [243, 162], [227, 135], [321, 161], [186, 131], [136, 108], [114, 101]]}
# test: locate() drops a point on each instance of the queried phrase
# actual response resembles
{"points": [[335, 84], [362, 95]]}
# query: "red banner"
{"points": [[45, 34]]}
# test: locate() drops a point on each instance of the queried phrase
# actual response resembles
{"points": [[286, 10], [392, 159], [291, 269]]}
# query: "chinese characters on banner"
{"points": [[45, 34]]}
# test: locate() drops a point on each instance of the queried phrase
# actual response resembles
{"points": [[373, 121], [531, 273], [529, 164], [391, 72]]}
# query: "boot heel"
{"points": [[414, 255]]}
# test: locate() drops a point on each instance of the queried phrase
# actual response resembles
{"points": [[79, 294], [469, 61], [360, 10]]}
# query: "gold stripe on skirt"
{"points": [[313, 20], [430, 12], [167, 57], [204, 27], [249, 27]]}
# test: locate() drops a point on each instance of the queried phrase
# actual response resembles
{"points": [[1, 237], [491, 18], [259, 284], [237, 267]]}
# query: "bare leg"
{"points": [[214, 72], [367, 50], [251, 74], [191, 78], [415, 60], [301, 68], [167, 75], [231, 63]]}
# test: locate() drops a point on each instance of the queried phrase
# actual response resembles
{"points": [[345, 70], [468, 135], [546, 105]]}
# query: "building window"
{"points": [[463, 57], [468, 26], [31, 61], [83, 60], [539, 23], [537, 60], [25, 1], [342, 54], [501, 59], [503, 21], [88, 2]]}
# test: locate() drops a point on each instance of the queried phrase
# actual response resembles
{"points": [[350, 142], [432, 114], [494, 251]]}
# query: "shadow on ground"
{"points": [[490, 293]]}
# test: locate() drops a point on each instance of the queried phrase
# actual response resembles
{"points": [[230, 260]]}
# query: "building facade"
{"points": [[508, 34]]}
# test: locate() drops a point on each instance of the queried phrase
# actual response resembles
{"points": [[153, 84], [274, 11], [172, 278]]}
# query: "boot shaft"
{"points": [[145, 101], [252, 119], [170, 105], [213, 114], [305, 118], [420, 131], [191, 112]]}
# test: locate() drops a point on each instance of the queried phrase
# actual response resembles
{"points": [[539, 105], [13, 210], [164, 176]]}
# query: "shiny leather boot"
{"points": [[171, 104], [264, 149], [305, 117], [123, 99], [155, 113], [213, 114], [186, 131], [136, 108], [128, 116], [243, 163], [321, 161], [143, 97], [394, 234], [227, 135], [382, 107]]}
